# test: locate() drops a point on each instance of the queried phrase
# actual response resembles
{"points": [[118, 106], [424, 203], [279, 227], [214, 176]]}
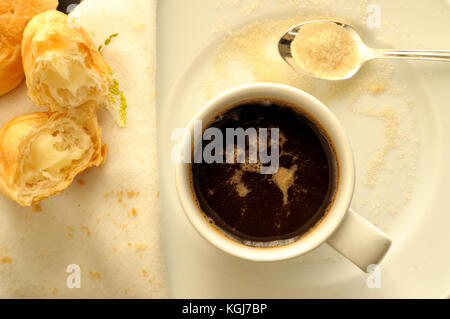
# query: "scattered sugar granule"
{"points": [[391, 131]]}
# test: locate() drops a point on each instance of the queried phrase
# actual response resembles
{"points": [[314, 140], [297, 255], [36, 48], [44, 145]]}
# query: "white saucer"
{"points": [[407, 200]]}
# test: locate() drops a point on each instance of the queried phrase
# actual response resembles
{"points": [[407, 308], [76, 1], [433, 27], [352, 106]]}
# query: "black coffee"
{"points": [[253, 207]]}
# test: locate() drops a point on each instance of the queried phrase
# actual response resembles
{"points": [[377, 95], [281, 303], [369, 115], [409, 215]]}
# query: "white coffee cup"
{"points": [[347, 232]]}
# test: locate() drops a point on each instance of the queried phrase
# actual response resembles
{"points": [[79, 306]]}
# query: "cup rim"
{"points": [[346, 172]]}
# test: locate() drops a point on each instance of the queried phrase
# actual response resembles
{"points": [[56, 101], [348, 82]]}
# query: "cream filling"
{"points": [[59, 74], [46, 157]]}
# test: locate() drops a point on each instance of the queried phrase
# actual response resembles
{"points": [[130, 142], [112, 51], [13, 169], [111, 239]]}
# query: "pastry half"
{"points": [[41, 153], [14, 16], [63, 68]]}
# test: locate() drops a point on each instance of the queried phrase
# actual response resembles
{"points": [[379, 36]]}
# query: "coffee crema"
{"points": [[269, 209]]}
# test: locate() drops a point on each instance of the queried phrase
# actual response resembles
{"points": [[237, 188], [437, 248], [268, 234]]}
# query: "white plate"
{"points": [[408, 199]]}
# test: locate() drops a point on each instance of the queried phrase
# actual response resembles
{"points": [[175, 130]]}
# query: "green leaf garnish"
{"points": [[115, 95]]}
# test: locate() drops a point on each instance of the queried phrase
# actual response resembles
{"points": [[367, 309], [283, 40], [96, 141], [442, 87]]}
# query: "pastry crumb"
{"points": [[6, 259], [88, 232], [95, 275], [140, 247], [138, 26], [130, 193]]}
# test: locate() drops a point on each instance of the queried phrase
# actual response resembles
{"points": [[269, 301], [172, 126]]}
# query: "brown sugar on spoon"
{"points": [[325, 49]]}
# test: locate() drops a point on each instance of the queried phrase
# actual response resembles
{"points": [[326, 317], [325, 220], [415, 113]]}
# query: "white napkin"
{"points": [[106, 226]]}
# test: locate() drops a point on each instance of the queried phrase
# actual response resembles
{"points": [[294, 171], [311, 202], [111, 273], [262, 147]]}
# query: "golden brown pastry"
{"points": [[14, 15], [41, 153], [63, 68]]}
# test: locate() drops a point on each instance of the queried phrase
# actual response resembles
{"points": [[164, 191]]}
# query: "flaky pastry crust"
{"points": [[14, 16]]}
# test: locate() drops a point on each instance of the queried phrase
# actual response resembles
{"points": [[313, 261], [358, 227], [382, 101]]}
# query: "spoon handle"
{"points": [[435, 55]]}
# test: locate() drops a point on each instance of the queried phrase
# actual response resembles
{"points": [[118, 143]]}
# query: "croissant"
{"points": [[63, 68], [14, 15], [41, 153]]}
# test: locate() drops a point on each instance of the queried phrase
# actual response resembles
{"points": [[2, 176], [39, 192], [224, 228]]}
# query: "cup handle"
{"points": [[360, 241]]}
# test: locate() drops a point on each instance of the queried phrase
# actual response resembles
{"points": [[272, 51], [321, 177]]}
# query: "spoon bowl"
{"points": [[365, 53]]}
